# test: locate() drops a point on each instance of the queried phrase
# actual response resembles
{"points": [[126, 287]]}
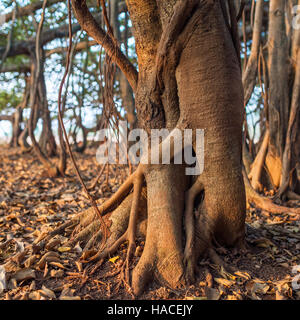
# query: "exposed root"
{"points": [[129, 234], [263, 202], [292, 195], [126, 215], [257, 166], [189, 254], [85, 225], [138, 182], [86, 233]]}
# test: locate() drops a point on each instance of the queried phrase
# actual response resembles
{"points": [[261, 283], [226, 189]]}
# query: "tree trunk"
{"points": [[16, 130], [278, 110], [189, 77], [47, 140]]}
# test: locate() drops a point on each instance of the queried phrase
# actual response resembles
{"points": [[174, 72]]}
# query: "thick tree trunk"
{"points": [[209, 66], [189, 77]]}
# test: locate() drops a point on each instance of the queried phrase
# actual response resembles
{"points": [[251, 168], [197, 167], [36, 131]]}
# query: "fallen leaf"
{"points": [[114, 259], [35, 295], [47, 292], [212, 294], [64, 249], [243, 274], [224, 282], [24, 274], [69, 298], [260, 288], [56, 273]]}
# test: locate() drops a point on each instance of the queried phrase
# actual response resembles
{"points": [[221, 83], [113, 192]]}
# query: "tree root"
{"points": [[162, 257], [124, 220], [257, 166], [263, 202], [189, 254]]}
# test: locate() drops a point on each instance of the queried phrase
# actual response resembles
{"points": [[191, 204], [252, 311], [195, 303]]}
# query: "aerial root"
{"points": [[137, 189], [84, 226], [86, 233], [189, 256], [129, 235]]}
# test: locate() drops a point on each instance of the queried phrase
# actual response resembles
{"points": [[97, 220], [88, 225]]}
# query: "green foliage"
{"points": [[9, 99]]}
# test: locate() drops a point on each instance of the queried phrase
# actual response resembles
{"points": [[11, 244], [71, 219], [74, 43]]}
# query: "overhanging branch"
{"points": [[93, 29]]}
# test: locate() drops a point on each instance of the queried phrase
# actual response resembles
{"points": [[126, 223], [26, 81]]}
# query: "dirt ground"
{"points": [[32, 205]]}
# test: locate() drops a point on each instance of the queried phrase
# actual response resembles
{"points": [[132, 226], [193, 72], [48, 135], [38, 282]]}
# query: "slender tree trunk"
{"points": [[16, 130], [47, 140], [278, 111], [125, 90]]}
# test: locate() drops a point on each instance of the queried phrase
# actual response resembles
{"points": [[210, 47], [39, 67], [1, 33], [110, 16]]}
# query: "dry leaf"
{"points": [[224, 282], [69, 298], [260, 288], [243, 274], [56, 273], [35, 295], [24, 274], [47, 292], [64, 249], [114, 259], [212, 294]]}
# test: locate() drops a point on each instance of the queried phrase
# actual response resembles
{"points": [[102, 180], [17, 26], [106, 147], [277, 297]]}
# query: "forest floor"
{"points": [[32, 204]]}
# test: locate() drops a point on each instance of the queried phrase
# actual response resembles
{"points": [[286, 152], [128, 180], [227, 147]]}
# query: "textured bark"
{"points": [[258, 164], [16, 130], [278, 110], [47, 140], [189, 77], [209, 66], [290, 157]]}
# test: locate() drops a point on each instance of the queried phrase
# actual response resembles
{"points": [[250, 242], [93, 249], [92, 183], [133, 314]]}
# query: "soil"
{"points": [[32, 204]]}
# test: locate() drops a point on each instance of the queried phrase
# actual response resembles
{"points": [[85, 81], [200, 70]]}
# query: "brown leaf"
{"points": [[24, 274]]}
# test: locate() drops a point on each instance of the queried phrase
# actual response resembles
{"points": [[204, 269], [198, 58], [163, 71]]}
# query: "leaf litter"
{"points": [[31, 206]]}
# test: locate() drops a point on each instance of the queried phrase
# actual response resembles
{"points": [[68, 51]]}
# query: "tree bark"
{"points": [[189, 77], [278, 110]]}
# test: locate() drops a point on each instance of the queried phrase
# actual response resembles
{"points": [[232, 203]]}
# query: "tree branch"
{"points": [[26, 46], [89, 24], [7, 118], [27, 10]]}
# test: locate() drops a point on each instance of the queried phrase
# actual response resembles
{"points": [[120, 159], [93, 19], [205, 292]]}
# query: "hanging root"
{"points": [[189, 255]]}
